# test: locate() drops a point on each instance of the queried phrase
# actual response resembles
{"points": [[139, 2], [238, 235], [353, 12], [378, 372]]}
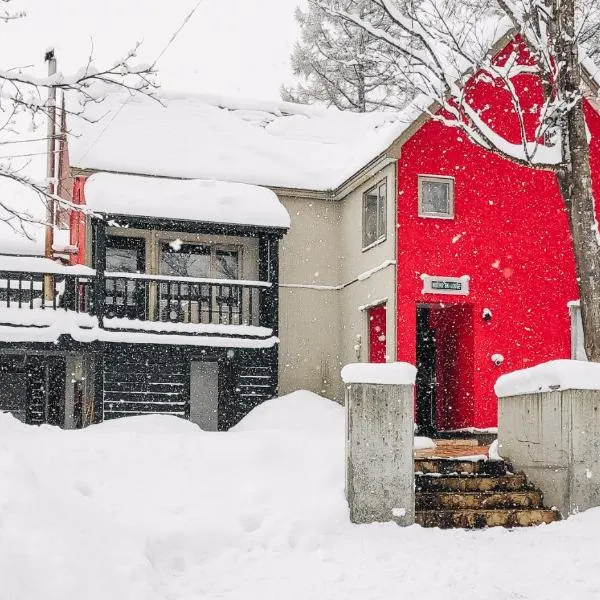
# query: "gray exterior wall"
{"points": [[321, 258], [359, 295], [554, 438], [309, 318]]}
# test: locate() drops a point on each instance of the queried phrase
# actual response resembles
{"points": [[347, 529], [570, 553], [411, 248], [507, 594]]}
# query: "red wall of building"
{"points": [[377, 334], [510, 235]]}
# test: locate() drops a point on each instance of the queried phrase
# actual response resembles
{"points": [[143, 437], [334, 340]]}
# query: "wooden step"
{"points": [[478, 500], [450, 466], [470, 483], [477, 519]]}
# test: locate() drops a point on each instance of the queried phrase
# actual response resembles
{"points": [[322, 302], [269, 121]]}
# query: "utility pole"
{"points": [[50, 173]]}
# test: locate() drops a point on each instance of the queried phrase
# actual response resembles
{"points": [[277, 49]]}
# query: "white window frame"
{"points": [[381, 198], [436, 179]]}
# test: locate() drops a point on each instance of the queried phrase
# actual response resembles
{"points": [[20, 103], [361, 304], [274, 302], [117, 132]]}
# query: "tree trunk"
{"points": [[575, 182], [576, 189]]}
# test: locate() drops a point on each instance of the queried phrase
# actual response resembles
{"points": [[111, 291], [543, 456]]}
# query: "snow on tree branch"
{"points": [[27, 104], [443, 44]]}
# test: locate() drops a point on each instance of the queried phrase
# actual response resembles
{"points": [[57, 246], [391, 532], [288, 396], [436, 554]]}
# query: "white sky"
{"points": [[229, 47], [233, 47]]}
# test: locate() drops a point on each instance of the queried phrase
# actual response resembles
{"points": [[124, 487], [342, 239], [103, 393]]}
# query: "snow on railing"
{"points": [[139, 297]]}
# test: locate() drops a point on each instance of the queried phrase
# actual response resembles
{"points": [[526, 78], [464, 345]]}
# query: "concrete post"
{"points": [[379, 442], [73, 372], [549, 428]]}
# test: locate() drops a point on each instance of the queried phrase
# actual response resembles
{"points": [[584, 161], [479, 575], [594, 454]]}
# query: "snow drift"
{"points": [[150, 508]]}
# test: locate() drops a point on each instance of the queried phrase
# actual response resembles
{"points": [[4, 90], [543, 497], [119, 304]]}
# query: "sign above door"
{"points": [[434, 284]]}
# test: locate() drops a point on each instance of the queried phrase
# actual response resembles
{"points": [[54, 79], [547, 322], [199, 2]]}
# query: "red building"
{"points": [[485, 260]]}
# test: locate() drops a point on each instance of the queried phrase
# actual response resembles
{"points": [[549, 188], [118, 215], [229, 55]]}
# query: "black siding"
{"points": [[138, 380]]}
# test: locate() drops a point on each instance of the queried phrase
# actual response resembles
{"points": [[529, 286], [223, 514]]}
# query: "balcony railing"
{"points": [[46, 291], [161, 298], [139, 297]]}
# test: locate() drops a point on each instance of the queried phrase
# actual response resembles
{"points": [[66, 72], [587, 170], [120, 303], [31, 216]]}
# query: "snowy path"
{"points": [[152, 508]]}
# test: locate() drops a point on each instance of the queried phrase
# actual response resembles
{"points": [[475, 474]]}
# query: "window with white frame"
{"points": [[436, 196], [374, 214]]}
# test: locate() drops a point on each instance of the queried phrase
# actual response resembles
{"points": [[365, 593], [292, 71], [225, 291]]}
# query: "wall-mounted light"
{"points": [[497, 359]]}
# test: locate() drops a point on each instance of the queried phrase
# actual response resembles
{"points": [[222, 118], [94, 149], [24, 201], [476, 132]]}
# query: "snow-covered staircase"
{"points": [[455, 493]]}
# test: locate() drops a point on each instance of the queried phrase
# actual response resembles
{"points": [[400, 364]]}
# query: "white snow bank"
{"points": [[550, 376], [397, 373], [195, 200], [302, 412], [153, 508], [423, 443], [493, 452]]}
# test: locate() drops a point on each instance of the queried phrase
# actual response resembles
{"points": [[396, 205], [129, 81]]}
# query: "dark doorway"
{"points": [[426, 384], [444, 386]]}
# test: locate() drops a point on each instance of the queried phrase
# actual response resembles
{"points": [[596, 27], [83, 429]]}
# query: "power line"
{"points": [[185, 21], [178, 31]]}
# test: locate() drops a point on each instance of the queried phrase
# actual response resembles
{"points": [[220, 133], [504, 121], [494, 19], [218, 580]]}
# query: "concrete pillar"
{"points": [[73, 373], [379, 442], [549, 428]]}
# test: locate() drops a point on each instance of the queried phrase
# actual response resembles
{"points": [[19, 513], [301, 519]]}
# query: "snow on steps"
{"points": [[459, 493]]}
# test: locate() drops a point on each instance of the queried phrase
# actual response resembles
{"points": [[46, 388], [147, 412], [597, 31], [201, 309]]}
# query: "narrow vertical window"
{"points": [[374, 215]]}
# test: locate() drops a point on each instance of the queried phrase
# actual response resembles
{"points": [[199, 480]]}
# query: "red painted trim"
{"points": [[78, 222]]}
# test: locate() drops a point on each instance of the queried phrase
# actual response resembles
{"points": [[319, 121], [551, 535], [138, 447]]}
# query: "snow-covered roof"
{"points": [[190, 199], [38, 264], [273, 144]]}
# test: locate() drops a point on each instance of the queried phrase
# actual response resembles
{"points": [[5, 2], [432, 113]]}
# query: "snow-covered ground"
{"points": [[153, 508]]}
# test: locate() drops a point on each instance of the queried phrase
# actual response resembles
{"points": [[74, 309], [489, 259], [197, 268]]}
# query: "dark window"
{"points": [[125, 255]]}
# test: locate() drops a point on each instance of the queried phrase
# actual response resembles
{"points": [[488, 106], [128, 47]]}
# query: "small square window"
{"points": [[436, 197], [374, 214]]}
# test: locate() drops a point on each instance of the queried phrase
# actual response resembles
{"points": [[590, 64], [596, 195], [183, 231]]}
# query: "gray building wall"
{"points": [[359, 295], [554, 438], [322, 300], [309, 306]]}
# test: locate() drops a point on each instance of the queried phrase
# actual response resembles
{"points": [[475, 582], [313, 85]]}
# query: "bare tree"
{"points": [[340, 64], [28, 98], [446, 47]]}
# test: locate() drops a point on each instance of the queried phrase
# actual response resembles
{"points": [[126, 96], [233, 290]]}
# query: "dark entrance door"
{"points": [[444, 386], [426, 383]]}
